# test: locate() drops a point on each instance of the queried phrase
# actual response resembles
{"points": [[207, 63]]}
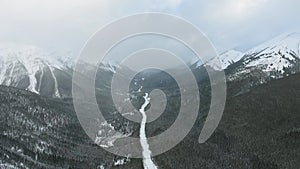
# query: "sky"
{"points": [[68, 24]]}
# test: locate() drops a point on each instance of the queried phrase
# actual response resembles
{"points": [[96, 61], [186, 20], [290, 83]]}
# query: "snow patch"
{"points": [[225, 59], [276, 54], [25, 60], [107, 135]]}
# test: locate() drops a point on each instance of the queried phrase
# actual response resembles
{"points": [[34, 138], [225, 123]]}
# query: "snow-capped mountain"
{"points": [[44, 73], [274, 59], [110, 66], [276, 55], [50, 74], [279, 55], [31, 68], [271, 60], [227, 58]]}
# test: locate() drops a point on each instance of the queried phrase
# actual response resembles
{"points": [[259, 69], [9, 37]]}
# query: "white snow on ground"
{"points": [[40, 80], [140, 89], [55, 83], [274, 63], [101, 167], [7, 166], [284, 41], [42, 147], [276, 54], [10, 74], [121, 161], [110, 66], [2, 68], [227, 58], [107, 135], [21, 60], [147, 161]]}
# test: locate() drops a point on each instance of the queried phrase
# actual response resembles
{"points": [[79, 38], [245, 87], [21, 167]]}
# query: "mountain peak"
{"points": [[284, 41], [278, 54], [226, 58], [32, 68], [30, 55]]}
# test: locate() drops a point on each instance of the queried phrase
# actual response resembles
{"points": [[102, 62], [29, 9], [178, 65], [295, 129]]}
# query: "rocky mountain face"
{"points": [[50, 74], [41, 72], [33, 69], [274, 59]]}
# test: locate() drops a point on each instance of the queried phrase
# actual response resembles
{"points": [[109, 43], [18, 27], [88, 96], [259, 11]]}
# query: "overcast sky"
{"points": [[67, 24]]}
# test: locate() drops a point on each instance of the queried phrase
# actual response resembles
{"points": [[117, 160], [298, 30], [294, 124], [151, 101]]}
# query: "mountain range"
{"points": [[50, 74], [259, 129], [31, 68]]}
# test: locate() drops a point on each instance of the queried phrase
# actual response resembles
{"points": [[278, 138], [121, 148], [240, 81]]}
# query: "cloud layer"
{"points": [[69, 23]]}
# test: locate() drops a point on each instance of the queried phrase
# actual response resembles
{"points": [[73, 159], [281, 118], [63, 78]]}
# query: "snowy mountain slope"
{"points": [[50, 74], [31, 68], [276, 58], [271, 60], [276, 55], [44, 73], [227, 58]]}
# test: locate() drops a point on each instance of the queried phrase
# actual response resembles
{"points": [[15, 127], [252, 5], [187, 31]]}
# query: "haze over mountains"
{"points": [[50, 74], [31, 68], [43, 132]]}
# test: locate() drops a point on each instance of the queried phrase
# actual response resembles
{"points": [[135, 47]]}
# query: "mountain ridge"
{"points": [[50, 74]]}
